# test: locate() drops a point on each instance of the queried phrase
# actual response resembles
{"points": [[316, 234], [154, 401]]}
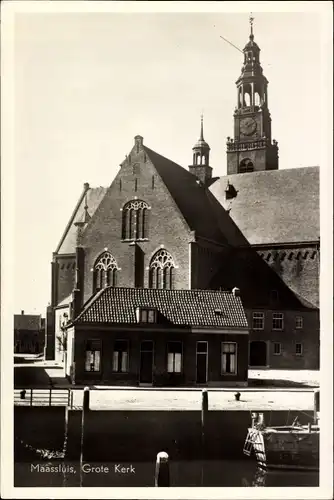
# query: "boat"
{"points": [[294, 447]]}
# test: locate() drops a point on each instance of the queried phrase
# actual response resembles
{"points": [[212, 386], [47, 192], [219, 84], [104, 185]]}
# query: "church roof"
{"points": [[180, 307], [93, 197], [273, 207], [200, 209]]}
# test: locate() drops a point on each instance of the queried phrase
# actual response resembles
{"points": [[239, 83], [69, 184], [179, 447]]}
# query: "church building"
{"points": [[171, 276]]}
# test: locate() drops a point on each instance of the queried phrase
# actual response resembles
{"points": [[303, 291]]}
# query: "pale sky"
{"points": [[86, 83]]}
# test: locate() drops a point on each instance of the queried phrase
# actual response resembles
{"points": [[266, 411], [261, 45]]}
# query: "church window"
{"points": [[246, 165], [105, 272], [162, 270], [135, 220]]}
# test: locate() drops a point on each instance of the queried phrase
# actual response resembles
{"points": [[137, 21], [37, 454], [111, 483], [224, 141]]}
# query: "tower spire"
{"points": [[251, 20], [201, 137]]}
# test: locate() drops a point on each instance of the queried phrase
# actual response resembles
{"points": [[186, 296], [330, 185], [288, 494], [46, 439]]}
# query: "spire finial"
{"points": [[201, 137], [251, 20]]}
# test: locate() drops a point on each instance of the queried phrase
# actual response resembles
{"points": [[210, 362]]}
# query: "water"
{"points": [[120, 448]]}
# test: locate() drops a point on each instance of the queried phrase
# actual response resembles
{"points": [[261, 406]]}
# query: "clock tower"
{"points": [[252, 148]]}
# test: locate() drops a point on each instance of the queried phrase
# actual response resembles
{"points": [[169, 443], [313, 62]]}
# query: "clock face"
{"points": [[247, 126]]}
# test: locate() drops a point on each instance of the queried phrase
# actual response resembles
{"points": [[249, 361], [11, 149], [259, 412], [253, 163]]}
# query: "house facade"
{"points": [[135, 336], [159, 226], [28, 333]]}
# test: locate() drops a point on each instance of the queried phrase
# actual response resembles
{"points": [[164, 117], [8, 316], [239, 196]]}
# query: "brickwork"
{"points": [[166, 226], [299, 268], [65, 268], [308, 336], [160, 375]]}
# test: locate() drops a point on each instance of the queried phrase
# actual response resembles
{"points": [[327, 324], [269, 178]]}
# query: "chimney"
{"points": [[236, 292], [22, 312]]}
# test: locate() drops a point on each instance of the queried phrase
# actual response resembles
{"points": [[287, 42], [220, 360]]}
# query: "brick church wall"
{"points": [[65, 269], [166, 227], [298, 267]]}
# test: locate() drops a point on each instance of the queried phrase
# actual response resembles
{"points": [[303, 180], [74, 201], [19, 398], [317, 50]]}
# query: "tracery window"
{"points": [[105, 271], [162, 270], [135, 220]]}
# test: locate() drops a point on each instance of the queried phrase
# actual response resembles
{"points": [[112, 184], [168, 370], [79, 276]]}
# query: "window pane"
{"points": [[224, 363], [115, 361], [143, 316], [175, 347], [151, 316], [170, 362], [89, 359], [202, 347], [232, 363], [178, 361], [124, 366], [97, 361]]}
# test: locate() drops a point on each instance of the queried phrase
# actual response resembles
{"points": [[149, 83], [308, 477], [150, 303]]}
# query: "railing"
{"points": [[43, 397]]}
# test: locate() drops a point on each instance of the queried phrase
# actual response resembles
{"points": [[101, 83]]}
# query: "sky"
{"points": [[84, 84]]}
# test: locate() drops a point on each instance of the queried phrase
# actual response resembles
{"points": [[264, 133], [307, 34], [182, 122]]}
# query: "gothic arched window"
{"points": [[162, 270], [135, 220], [246, 165], [105, 271]]}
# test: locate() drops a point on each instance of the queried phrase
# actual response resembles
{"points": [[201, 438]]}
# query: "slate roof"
{"points": [[200, 209], [67, 243], [278, 206], [177, 307], [30, 322]]}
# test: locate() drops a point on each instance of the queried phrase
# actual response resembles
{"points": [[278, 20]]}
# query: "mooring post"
{"points": [[316, 405], [162, 477], [204, 415], [85, 410]]}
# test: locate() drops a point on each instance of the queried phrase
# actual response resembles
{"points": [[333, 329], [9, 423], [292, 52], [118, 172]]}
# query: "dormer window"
{"points": [[146, 315]]}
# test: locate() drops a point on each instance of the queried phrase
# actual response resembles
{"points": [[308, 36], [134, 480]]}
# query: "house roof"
{"points": [[93, 197], [179, 307], [30, 322], [272, 207], [202, 212]]}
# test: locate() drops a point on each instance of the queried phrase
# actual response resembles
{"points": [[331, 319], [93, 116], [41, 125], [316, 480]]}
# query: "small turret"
{"points": [[201, 152]]}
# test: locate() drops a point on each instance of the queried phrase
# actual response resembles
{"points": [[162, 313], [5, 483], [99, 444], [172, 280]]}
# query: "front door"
{"points": [[146, 362], [258, 353], [202, 362]]}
